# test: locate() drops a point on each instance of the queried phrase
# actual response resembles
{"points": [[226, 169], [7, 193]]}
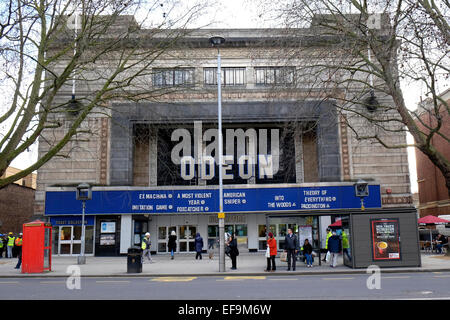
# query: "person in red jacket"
{"points": [[272, 244]]}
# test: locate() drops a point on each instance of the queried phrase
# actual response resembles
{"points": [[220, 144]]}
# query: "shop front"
{"points": [[122, 216]]}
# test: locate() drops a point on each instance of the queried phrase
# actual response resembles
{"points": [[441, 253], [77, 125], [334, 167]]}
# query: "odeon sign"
{"points": [[247, 143]]}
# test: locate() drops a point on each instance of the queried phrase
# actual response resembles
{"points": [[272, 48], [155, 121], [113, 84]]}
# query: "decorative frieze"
{"points": [[345, 149], [104, 136]]}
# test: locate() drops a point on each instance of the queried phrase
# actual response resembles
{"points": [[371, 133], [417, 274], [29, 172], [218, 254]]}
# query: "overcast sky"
{"points": [[243, 14]]}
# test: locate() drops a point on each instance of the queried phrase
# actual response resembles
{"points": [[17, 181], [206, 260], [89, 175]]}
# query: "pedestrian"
{"points": [[307, 251], [334, 246], [172, 243], [329, 234], [10, 245], [440, 241], [2, 246], [146, 243], [345, 245], [18, 242], [291, 247], [234, 252], [272, 245], [198, 244]]}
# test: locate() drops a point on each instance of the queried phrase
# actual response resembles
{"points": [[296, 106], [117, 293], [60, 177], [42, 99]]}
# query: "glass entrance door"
{"points": [[163, 237], [65, 243], [187, 238], [69, 240]]}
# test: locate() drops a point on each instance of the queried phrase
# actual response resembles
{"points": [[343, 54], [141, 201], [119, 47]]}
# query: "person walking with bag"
{"points": [[198, 244], [291, 247], [234, 252], [271, 253], [334, 245], [307, 251], [172, 244], [327, 256]]}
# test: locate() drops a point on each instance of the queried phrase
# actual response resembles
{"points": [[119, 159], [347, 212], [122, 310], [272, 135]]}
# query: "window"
{"points": [[173, 77], [274, 75], [229, 76], [241, 230]]}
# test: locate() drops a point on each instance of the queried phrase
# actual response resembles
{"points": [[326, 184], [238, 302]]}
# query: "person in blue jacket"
{"points": [[198, 243], [335, 247]]}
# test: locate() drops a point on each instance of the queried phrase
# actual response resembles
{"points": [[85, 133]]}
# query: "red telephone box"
{"points": [[37, 247]]}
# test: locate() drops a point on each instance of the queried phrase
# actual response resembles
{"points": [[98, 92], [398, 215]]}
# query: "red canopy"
{"points": [[432, 220], [336, 224]]}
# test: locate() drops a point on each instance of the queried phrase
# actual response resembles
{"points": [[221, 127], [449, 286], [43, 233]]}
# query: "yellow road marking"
{"points": [[396, 277], [173, 279], [238, 278], [337, 278], [283, 279], [51, 282]]}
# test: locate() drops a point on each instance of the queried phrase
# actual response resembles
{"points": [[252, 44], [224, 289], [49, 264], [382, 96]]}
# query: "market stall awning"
{"points": [[431, 220]]}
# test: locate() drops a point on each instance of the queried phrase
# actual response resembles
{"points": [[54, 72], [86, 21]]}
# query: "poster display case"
{"points": [[385, 239]]}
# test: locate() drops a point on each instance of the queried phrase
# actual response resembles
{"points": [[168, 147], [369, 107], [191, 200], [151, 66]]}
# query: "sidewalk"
{"points": [[249, 264]]}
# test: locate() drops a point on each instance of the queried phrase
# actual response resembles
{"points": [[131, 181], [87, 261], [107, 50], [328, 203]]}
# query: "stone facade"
{"points": [[110, 155]]}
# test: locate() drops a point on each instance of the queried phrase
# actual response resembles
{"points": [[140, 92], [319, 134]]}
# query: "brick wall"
{"points": [[433, 194], [16, 207]]}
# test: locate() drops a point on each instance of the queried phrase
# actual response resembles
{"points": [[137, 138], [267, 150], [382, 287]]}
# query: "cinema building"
{"points": [[290, 161]]}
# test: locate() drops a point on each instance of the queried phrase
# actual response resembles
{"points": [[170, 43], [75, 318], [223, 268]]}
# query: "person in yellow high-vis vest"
{"points": [[2, 246], [345, 246], [329, 234], [10, 245], [145, 246]]}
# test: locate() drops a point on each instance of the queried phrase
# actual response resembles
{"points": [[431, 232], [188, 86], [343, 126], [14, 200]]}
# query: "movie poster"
{"points": [[385, 239], [305, 232]]}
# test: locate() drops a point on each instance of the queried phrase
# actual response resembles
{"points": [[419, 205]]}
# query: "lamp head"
{"points": [[361, 188], [217, 41], [84, 192]]}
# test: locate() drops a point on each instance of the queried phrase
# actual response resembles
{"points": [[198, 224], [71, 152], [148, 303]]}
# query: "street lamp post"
{"points": [[84, 192], [216, 41]]}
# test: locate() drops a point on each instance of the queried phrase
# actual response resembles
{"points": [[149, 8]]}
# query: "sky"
{"points": [[244, 14]]}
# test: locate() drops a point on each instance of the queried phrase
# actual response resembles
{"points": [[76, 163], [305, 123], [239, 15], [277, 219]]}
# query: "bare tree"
{"points": [[363, 51], [103, 48]]}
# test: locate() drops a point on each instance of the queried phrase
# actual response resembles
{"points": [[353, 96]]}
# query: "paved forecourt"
{"points": [[185, 265]]}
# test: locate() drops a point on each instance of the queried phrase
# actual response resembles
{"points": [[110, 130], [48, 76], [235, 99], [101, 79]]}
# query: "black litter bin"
{"points": [[134, 260]]}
